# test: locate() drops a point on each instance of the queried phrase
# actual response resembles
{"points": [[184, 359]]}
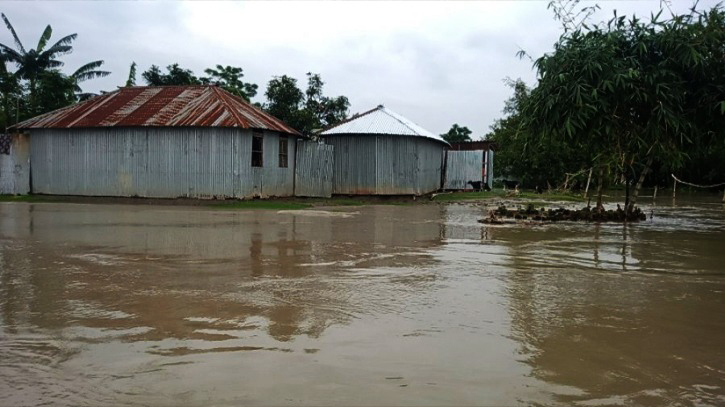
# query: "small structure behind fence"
{"points": [[313, 171], [463, 169], [467, 168]]}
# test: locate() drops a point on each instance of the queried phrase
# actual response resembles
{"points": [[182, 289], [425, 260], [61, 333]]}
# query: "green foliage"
{"points": [[522, 155], [457, 134], [131, 81], [636, 90], [307, 111], [55, 90], [622, 95], [37, 85], [175, 75], [227, 77], [230, 79]]}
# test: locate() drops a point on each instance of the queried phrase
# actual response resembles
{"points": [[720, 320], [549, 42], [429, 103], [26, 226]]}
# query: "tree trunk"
{"points": [[638, 186], [586, 190], [600, 206]]}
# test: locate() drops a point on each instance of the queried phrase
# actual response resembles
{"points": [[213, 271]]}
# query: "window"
{"points": [[257, 152], [282, 151]]}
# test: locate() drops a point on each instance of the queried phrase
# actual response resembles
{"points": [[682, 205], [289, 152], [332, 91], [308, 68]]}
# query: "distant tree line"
{"points": [[37, 85]]}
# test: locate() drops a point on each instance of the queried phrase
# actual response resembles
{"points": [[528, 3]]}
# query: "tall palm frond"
{"points": [[9, 54], [65, 40], [58, 50], [89, 71], [44, 38], [12, 31]]}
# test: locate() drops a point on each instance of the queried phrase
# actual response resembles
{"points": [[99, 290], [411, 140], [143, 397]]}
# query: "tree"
{"points": [[55, 90], [131, 81], [175, 75], [84, 73], [324, 111], [284, 101], [31, 64], [519, 153], [307, 111], [37, 85], [457, 134], [230, 79], [639, 93]]}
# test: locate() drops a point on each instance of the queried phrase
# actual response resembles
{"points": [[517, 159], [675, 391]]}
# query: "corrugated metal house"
{"points": [[380, 152], [164, 141]]}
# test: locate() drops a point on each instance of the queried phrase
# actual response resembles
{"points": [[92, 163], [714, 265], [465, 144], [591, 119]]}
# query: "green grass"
{"points": [[500, 193], [551, 197], [341, 202], [466, 196], [23, 198], [274, 205]]}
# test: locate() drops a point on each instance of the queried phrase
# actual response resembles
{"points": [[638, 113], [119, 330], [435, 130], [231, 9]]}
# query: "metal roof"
{"points": [[380, 120], [160, 106]]}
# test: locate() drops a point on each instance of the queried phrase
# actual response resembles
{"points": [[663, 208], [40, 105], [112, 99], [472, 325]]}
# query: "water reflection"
{"points": [[157, 269], [632, 315], [109, 304]]}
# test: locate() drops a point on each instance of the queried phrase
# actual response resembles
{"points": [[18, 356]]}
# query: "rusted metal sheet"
{"points": [[484, 145], [379, 121], [313, 172], [156, 162], [15, 166], [161, 106], [463, 167], [386, 165]]}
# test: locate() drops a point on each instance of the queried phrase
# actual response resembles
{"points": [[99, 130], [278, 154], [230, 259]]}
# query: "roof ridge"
{"points": [[228, 107], [395, 116], [351, 118]]}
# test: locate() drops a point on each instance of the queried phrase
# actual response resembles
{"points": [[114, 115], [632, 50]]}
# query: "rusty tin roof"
{"points": [[160, 106]]}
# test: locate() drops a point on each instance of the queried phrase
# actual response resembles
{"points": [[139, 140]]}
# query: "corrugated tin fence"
{"points": [[313, 171], [14, 164], [462, 167]]}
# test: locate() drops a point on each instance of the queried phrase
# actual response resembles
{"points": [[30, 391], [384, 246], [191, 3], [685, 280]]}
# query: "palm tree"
{"points": [[35, 61]]}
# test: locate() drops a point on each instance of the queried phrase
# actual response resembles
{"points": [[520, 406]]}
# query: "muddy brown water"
{"points": [[374, 305]]}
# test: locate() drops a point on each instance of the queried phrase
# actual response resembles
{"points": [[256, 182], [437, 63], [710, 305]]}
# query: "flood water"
{"points": [[374, 305]]}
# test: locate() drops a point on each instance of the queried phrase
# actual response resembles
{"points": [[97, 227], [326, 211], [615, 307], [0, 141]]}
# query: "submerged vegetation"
{"points": [[531, 213]]}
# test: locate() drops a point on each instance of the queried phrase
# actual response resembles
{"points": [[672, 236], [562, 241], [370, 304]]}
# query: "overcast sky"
{"points": [[435, 62]]}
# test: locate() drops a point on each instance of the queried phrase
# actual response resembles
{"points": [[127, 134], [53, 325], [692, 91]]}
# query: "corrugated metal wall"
{"points": [[463, 166], [157, 162], [313, 172], [385, 165], [15, 167], [489, 168]]}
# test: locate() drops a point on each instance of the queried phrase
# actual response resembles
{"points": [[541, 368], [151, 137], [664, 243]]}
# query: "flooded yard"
{"points": [[371, 305]]}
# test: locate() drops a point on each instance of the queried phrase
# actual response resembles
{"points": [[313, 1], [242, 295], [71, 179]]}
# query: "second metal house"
{"points": [[380, 152]]}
